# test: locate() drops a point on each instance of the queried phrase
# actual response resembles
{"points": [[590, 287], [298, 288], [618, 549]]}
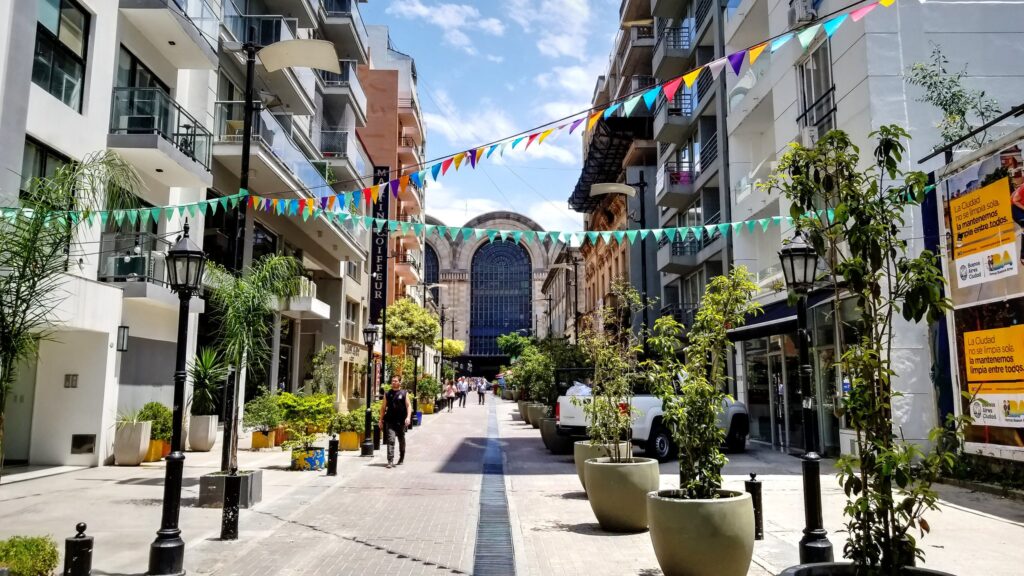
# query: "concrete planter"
{"points": [[348, 441], [845, 569], [211, 489], [202, 433], [702, 537], [617, 492], [157, 450], [263, 440], [312, 459], [537, 413], [427, 408], [131, 441], [521, 405], [583, 451], [555, 443]]}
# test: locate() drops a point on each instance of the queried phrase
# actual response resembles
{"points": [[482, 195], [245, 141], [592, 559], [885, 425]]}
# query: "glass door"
{"points": [[794, 398], [777, 394], [759, 398], [828, 398]]}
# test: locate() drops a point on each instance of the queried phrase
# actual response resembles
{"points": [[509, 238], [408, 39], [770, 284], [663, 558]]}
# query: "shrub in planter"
{"points": [[426, 391], [700, 529], [887, 481], [263, 415], [349, 427], [29, 555], [303, 416], [131, 439], [160, 432], [208, 371]]}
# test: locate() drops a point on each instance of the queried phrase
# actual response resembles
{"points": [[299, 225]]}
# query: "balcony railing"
{"points": [[820, 113], [675, 174], [342, 144], [153, 111], [704, 84], [202, 14], [343, 8], [702, 12], [268, 28], [408, 258], [676, 38], [708, 153], [641, 33], [307, 288], [133, 257], [684, 312], [640, 81], [347, 78]]}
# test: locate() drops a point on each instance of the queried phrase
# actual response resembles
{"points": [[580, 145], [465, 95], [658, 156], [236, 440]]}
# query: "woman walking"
{"points": [[449, 394]]}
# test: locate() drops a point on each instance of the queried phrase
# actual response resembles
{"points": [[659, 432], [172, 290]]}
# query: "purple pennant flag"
{"points": [[323, 202], [472, 157], [394, 188], [736, 60], [576, 123]]}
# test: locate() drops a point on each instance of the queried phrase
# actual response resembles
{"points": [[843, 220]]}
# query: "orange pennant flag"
{"points": [[445, 166], [756, 51], [330, 202], [691, 77], [403, 182], [459, 158], [593, 120], [273, 203], [544, 135], [479, 153]]}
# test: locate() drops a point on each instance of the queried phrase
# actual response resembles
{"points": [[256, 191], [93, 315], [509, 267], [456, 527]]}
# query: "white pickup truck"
{"points": [[648, 431]]}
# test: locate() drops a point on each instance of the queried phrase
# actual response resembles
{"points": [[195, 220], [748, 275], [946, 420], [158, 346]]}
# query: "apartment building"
{"points": [[853, 82], [158, 82], [621, 150], [561, 293]]}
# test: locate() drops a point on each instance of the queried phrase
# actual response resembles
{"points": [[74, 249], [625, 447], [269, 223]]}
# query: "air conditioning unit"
{"points": [[801, 12], [809, 136]]}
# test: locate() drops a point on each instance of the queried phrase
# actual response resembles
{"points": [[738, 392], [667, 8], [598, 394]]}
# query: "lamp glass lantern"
{"points": [[415, 349], [185, 265], [799, 264], [370, 334], [437, 360], [122, 338]]}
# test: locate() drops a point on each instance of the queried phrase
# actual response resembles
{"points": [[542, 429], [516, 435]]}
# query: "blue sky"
{"points": [[489, 69]]}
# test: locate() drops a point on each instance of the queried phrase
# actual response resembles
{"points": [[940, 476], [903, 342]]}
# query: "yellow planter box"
{"points": [[348, 441], [427, 408], [155, 451], [261, 440]]}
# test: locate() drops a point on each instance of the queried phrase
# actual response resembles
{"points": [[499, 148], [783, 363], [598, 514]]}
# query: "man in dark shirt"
{"points": [[394, 419]]}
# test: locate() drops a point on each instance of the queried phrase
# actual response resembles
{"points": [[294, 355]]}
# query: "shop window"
{"points": [[62, 36]]}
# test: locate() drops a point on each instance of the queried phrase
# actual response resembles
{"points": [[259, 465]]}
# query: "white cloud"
{"points": [[495, 58], [454, 20], [454, 207], [561, 28], [577, 81], [555, 216]]}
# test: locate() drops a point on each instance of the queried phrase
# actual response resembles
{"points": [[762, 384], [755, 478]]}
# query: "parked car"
{"points": [[648, 431]]}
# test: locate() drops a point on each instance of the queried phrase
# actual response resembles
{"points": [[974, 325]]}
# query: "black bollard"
{"points": [[753, 487], [229, 516], [332, 457], [376, 437], [78, 553]]}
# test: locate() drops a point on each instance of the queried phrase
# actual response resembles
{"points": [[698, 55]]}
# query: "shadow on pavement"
{"points": [[185, 482]]}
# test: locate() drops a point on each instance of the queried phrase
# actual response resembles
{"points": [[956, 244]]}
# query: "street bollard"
{"points": [[753, 487], [376, 437], [78, 553], [332, 457], [229, 515]]}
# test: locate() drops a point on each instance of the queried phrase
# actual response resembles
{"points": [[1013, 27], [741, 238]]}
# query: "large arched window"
{"points": [[431, 270], [501, 295]]}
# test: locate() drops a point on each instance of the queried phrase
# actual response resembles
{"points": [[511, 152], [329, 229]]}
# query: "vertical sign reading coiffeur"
{"points": [[379, 250]]}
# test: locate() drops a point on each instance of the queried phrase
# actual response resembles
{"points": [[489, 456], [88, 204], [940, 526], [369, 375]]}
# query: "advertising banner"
{"points": [[379, 250], [983, 235]]}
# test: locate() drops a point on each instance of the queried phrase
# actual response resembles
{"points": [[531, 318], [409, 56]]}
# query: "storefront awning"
{"points": [[776, 318]]}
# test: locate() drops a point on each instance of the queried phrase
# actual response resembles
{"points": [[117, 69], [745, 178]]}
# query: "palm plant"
{"points": [[244, 306], [208, 370], [35, 245]]}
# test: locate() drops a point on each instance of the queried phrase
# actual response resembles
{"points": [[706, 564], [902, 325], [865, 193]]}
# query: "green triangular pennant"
{"points": [[466, 233], [542, 236], [119, 216], [529, 235], [750, 225], [764, 223], [191, 210], [619, 235], [223, 203], [442, 231], [104, 217], [736, 227], [491, 235], [454, 233], [478, 232], [723, 229], [211, 206], [592, 236], [234, 199], [154, 213], [709, 228], [517, 236], [643, 233], [133, 216]]}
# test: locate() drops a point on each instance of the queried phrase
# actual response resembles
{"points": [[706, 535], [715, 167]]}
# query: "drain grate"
{"points": [[494, 555]]}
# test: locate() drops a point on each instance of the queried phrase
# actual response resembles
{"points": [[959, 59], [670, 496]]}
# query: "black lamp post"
{"points": [[185, 263], [369, 338], [799, 266], [415, 349], [437, 367]]}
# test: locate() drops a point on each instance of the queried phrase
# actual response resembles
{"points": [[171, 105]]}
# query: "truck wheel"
{"points": [[659, 445]]}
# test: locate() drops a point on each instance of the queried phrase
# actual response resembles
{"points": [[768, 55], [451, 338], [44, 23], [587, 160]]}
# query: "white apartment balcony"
{"points": [[685, 256], [407, 267], [303, 11], [135, 263], [342, 24], [635, 83], [674, 119], [304, 305], [410, 153], [294, 87], [278, 167], [707, 89], [674, 187], [345, 156], [410, 241], [668, 8], [630, 10], [674, 52], [702, 17], [746, 24], [409, 114], [412, 132], [634, 46], [344, 90], [708, 162], [182, 31], [750, 99], [150, 130]]}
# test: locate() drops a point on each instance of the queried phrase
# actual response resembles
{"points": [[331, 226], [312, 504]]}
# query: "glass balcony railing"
{"points": [[343, 8], [267, 29], [343, 144], [674, 175], [133, 257], [153, 111], [203, 15], [347, 78]]}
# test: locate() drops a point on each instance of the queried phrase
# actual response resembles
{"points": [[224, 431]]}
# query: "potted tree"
{"points": [[263, 415], [854, 219], [700, 529], [427, 390], [535, 371], [160, 432], [305, 417], [207, 371], [616, 482], [349, 427], [322, 376], [131, 439]]}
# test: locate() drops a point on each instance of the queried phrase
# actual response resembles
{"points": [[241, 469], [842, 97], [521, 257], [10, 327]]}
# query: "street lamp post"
{"points": [[369, 338], [630, 190], [437, 367], [799, 266], [440, 360], [185, 263], [415, 349]]}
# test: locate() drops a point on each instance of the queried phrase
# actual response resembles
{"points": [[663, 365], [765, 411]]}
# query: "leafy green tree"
{"points": [[513, 344], [323, 370], [34, 249], [693, 392], [208, 372], [262, 413], [535, 373], [451, 348], [408, 322], [244, 306], [945, 90], [305, 416], [887, 481]]}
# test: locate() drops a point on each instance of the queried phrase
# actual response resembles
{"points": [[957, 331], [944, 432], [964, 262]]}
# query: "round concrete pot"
{"points": [[537, 413], [582, 451], [521, 405], [702, 537], [555, 443], [846, 569], [618, 492], [202, 433]]}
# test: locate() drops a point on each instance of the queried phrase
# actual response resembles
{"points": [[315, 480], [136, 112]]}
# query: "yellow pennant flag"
{"points": [[690, 78], [458, 159], [886, 3], [593, 120], [756, 51], [375, 192], [479, 153], [544, 135]]}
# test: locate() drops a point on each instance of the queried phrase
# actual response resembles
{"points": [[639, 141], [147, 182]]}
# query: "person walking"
{"points": [[481, 389], [449, 394], [394, 419], [463, 392]]}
